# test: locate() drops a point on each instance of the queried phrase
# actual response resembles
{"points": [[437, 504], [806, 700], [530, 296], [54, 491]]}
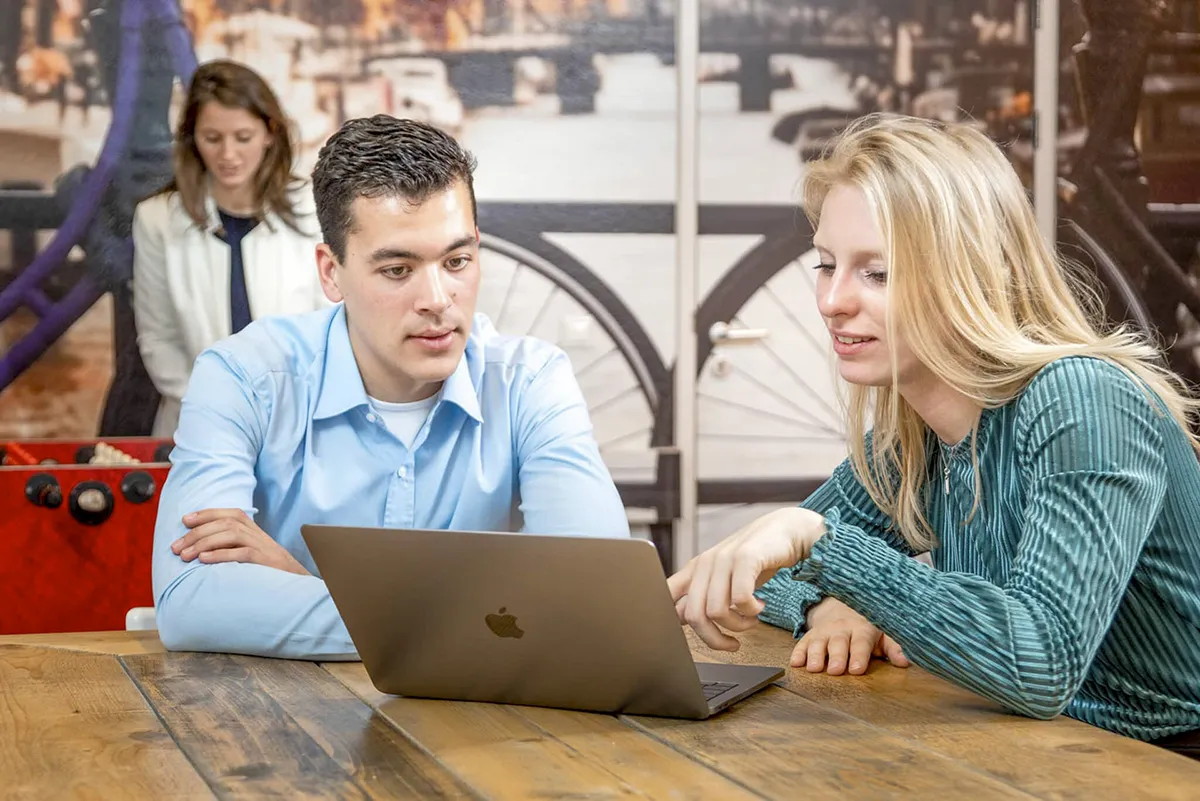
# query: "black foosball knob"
{"points": [[84, 454], [137, 487], [91, 502], [42, 489], [163, 452]]}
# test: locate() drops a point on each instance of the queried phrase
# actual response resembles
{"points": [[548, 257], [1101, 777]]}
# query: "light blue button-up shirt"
{"points": [[276, 422]]}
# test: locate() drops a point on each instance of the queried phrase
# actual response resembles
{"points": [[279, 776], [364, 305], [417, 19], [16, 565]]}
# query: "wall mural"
{"points": [[569, 106]]}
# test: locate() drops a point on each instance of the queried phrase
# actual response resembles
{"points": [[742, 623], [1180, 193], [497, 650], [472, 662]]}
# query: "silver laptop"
{"points": [[567, 622]]}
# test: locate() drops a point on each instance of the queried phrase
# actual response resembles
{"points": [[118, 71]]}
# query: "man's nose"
{"points": [[434, 294]]}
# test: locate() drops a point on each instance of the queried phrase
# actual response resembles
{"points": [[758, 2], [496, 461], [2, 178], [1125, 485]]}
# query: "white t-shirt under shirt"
{"points": [[404, 419]]}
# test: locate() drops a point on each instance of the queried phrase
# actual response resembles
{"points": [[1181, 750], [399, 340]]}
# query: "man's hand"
{"points": [[230, 535], [837, 634]]}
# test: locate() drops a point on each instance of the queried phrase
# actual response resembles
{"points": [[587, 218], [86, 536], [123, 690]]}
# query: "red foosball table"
{"points": [[77, 531]]}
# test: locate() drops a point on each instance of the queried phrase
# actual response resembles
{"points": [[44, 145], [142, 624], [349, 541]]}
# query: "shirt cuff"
{"points": [[787, 603], [864, 572]]}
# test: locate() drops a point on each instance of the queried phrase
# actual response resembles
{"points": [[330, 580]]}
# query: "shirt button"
{"points": [[371, 418], [402, 472]]}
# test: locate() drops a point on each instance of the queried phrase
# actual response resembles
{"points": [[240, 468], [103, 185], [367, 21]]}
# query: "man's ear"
{"points": [[328, 271]]}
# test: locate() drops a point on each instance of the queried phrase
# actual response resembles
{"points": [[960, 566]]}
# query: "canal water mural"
{"points": [[570, 107]]}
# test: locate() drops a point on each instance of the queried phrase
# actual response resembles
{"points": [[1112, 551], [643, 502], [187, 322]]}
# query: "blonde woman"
{"points": [[1045, 464]]}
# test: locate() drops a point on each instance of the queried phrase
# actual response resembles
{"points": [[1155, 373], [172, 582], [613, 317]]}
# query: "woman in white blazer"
{"points": [[233, 236]]}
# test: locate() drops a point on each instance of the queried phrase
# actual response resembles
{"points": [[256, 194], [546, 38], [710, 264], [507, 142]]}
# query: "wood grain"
{"points": [[97, 642], [643, 762], [1061, 758], [784, 746], [506, 752], [255, 727], [75, 726], [72, 721]]}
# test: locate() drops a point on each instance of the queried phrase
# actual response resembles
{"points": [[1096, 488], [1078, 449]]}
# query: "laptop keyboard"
{"points": [[714, 688]]}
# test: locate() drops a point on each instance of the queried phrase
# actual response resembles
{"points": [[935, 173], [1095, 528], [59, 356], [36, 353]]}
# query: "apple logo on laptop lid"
{"points": [[504, 625]]}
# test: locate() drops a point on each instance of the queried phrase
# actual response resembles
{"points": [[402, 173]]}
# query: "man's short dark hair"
{"points": [[383, 156]]}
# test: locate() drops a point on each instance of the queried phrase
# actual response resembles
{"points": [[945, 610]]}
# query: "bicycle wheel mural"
{"points": [[569, 106]]}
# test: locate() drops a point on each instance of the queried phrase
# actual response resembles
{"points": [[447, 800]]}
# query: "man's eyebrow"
{"points": [[388, 253]]}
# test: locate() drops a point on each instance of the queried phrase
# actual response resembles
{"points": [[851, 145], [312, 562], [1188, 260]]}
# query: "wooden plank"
{"points": [[256, 727], [75, 726], [523, 752], [784, 746], [1060, 758], [641, 761], [96, 642]]}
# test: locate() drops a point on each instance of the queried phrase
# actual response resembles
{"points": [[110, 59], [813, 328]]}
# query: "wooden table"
{"points": [[112, 715]]}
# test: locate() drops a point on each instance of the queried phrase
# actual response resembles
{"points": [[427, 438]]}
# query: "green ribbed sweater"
{"points": [[1074, 589]]}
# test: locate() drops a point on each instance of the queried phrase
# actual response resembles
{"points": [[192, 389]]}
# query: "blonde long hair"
{"points": [[980, 297]]}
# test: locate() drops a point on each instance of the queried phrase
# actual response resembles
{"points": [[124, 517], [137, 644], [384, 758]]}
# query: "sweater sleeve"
{"points": [[1089, 448], [787, 600]]}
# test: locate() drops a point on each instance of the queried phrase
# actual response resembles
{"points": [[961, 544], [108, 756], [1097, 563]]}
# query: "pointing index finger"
{"points": [[679, 583]]}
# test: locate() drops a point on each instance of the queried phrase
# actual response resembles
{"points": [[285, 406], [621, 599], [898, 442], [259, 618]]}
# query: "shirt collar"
{"points": [[213, 214], [342, 386], [459, 388]]}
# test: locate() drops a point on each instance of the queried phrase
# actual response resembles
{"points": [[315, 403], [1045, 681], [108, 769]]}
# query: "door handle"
{"points": [[722, 333]]}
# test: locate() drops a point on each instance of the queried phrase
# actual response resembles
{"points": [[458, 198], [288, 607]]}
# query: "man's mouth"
{"points": [[435, 339]]}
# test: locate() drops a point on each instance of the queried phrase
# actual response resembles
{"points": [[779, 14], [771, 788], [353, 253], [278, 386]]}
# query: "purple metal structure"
{"points": [[137, 17]]}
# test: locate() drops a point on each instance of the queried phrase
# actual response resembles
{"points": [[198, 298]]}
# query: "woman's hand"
{"points": [[716, 589], [835, 635]]}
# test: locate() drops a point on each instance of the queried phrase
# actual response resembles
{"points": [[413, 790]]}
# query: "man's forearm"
{"points": [[250, 609]]}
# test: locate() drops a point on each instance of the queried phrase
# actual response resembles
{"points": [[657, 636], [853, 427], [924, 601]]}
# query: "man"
{"points": [[398, 407]]}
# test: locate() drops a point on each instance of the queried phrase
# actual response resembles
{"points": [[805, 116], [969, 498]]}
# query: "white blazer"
{"points": [[181, 277]]}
